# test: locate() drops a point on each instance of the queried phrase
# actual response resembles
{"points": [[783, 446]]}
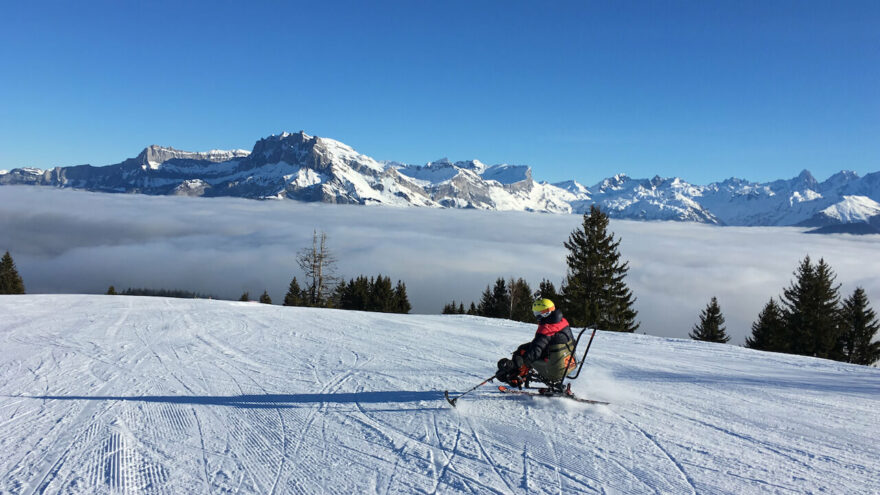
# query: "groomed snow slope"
{"points": [[115, 394]]}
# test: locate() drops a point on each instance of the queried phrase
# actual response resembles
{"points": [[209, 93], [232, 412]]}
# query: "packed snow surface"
{"points": [[116, 394]]}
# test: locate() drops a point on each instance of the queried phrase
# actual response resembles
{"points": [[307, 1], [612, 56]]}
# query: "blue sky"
{"points": [[583, 90]]}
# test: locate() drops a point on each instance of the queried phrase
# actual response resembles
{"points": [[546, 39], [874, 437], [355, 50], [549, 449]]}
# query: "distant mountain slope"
{"points": [[308, 168], [126, 394]]}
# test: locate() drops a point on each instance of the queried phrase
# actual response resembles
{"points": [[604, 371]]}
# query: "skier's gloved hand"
{"points": [[504, 367], [518, 361]]}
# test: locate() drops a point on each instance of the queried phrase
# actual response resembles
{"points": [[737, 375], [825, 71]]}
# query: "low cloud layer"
{"points": [[71, 241]]}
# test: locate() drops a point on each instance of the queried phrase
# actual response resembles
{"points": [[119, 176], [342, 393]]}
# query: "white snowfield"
{"points": [[116, 394]]}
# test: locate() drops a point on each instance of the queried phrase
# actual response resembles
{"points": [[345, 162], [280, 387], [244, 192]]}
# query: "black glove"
{"points": [[518, 361], [504, 367]]}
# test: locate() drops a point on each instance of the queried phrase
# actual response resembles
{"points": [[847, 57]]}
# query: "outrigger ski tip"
{"points": [[451, 401]]}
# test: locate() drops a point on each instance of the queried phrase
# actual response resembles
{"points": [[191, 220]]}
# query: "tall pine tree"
{"points": [[711, 326], [594, 293], [859, 329], [769, 332], [401, 300], [495, 302], [381, 297], [811, 306], [355, 294], [10, 280], [264, 297], [501, 296]]}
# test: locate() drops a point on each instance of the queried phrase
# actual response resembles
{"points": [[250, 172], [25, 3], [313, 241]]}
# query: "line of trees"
{"points": [[593, 294], [810, 320], [322, 288], [178, 293], [375, 294], [264, 297], [509, 299], [361, 294]]}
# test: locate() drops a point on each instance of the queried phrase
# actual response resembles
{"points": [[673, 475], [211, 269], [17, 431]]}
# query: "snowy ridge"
{"points": [[121, 394], [853, 209], [309, 168], [154, 156]]}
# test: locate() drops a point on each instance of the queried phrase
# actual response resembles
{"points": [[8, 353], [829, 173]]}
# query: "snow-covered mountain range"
{"points": [[309, 168]]}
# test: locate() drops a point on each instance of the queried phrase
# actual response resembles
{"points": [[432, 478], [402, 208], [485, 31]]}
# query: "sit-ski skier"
{"points": [[548, 357]]}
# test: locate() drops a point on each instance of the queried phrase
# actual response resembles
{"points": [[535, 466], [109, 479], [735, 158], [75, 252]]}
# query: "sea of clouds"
{"points": [[67, 241]]}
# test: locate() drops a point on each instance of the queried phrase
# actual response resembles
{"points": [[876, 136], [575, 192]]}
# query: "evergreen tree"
{"points": [[812, 313], [495, 302], [769, 332], [473, 310], [401, 300], [710, 328], [335, 299], [594, 293], [356, 294], [373, 294], [449, 309], [520, 300], [501, 296], [178, 293], [343, 294], [245, 297], [294, 296], [381, 295], [10, 280], [264, 297], [111, 291], [487, 303], [859, 329], [360, 293], [452, 309]]}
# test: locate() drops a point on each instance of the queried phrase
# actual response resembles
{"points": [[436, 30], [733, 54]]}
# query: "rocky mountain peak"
{"points": [[805, 179]]}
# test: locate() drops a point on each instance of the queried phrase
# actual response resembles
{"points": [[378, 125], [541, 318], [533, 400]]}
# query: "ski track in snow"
{"points": [[123, 395]]}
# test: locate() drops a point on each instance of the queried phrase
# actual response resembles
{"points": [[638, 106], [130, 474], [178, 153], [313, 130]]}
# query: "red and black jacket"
{"points": [[553, 329]]}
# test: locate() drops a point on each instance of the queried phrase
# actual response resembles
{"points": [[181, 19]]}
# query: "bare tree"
{"points": [[318, 265]]}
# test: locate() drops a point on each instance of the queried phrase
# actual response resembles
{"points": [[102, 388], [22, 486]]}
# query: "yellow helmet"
{"points": [[542, 308]]}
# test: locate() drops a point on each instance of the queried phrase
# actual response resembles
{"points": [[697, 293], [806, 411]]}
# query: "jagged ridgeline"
{"points": [[308, 168]]}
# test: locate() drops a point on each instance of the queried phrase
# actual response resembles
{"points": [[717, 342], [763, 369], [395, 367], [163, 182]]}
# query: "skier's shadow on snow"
{"points": [[270, 401]]}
